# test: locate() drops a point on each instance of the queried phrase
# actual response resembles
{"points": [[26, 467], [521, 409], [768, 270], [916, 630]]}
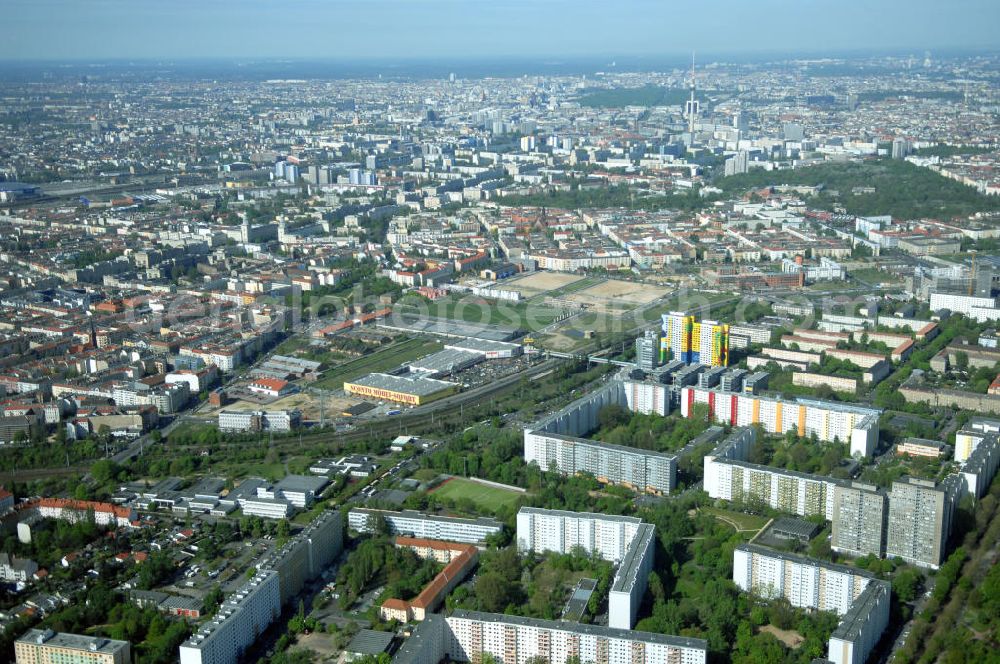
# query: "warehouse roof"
{"points": [[418, 385]]}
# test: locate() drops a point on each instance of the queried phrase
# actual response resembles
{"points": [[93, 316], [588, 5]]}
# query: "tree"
{"points": [[906, 584], [105, 470], [492, 592], [283, 532]]}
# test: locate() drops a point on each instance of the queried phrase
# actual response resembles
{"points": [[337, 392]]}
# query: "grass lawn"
{"points": [[525, 314], [739, 520], [873, 276], [381, 360], [425, 474], [485, 497]]}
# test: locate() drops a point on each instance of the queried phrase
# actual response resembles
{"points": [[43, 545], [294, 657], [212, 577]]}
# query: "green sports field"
{"points": [[485, 497]]}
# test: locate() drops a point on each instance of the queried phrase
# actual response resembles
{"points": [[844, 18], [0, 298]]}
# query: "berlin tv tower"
{"points": [[692, 105]]}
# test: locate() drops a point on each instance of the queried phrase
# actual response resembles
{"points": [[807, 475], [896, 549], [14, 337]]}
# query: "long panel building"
{"points": [[465, 636], [553, 442], [246, 613], [426, 526], [830, 421], [38, 646], [860, 599], [729, 477], [623, 540]]}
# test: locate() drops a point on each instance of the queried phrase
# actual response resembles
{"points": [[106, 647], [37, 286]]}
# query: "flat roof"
{"points": [[72, 641], [580, 515], [370, 642], [416, 385], [857, 616], [594, 630], [795, 527], [482, 345], [628, 570], [446, 361], [637, 451], [802, 560], [428, 633], [303, 483], [447, 328], [412, 514]]}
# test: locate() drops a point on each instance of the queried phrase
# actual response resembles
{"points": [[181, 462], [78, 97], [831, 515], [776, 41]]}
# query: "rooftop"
{"points": [[418, 385], [370, 642], [73, 641], [594, 630]]}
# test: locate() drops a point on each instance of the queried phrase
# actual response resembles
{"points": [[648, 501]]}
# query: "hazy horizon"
{"points": [[478, 30]]}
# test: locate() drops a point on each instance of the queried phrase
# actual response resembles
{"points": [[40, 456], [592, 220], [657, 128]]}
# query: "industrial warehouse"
{"points": [[413, 390]]}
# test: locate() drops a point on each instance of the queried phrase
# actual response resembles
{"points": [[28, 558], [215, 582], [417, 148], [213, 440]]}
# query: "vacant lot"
{"points": [[539, 282], [484, 496], [625, 290], [789, 637]]}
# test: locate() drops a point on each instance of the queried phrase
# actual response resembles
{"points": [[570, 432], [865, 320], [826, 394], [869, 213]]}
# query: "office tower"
{"points": [[741, 121], [738, 163], [900, 148], [919, 522], [859, 520], [792, 131], [647, 350], [47, 647], [676, 327]]}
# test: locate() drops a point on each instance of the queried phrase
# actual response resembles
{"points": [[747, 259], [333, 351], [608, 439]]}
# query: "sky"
{"points": [[485, 29]]}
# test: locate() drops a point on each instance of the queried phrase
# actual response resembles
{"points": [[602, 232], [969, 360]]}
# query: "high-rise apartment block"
{"points": [[859, 518], [830, 421], [861, 600], [919, 523], [623, 540], [553, 443], [729, 477], [705, 342], [280, 576], [647, 348]]}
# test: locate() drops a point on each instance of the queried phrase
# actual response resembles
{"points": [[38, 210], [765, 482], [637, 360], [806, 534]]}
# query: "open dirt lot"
{"points": [[790, 638], [617, 293], [539, 282], [320, 644], [307, 403]]}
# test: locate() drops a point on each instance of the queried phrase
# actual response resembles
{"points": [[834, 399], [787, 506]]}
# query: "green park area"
{"points": [[648, 95], [483, 496], [875, 187]]}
